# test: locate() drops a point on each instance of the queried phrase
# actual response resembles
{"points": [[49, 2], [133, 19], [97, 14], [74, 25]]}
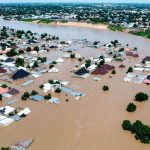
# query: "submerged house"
{"points": [[20, 74], [100, 71], [9, 60], [2, 71], [103, 69], [146, 59]]}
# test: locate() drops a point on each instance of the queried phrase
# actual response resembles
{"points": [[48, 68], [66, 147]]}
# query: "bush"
{"points": [[141, 97], [105, 88], [80, 59], [131, 107], [11, 53], [54, 62], [113, 72], [130, 69], [41, 86], [23, 115], [11, 114], [87, 63], [51, 81], [19, 62], [4, 86], [72, 55], [35, 65], [58, 90], [25, 96], [5, 148], [34, 93], [1, 98], [28, 49], [36, 48], [51, 66], [47, 97]]}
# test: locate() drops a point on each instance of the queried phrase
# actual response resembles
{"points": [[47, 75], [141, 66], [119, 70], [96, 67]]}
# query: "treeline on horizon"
{"points": [[32, 8]]}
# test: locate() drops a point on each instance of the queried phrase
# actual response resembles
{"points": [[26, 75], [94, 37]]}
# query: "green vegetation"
{"points": [[42, 59], [47, 97], [11, 53], [1, 98], [35, 65], [113, 72], [36, 48], [45, 21], [130, 69], [34, 92], [105, 88], [72, 55], [87, 63], [28, 49], [25, 96], [23, 115], [19, 62], [54, 62], [141, 131], [131, 107], [58, 90], [116, 28], [4, 86], [97, 21], [121, 50], [28, 20], [41, 86], [142, 33], [141, 97], [51, 66], [5, 148], [13, 113]]}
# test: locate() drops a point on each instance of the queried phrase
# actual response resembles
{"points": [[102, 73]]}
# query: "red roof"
{"points": [[108, 67], [122, 66], [2, 70], [132, 54], [3, 90], [147, 58], [100, 71]]}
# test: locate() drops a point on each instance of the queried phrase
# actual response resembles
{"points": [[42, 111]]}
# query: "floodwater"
{"points": [[94, 121]]}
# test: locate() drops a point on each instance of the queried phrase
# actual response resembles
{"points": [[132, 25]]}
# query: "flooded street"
{"points": [[94, 121]]}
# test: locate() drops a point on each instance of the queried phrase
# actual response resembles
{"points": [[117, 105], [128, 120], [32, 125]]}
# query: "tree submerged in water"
{"points": [[105, 88], [131, 107], [141, 97], [141, 131]]}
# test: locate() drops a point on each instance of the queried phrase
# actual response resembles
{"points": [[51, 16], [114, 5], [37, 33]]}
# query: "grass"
{"points": [[27, 20], [116, 28], [46, 21], [142, 33]]}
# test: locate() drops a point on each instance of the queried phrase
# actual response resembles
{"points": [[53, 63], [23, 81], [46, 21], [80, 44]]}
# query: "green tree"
{"points": [[126, 125], [113, 72], [141, 97], [130, 69], [131, 107], [58, 90], [1, 98], [19, 62], [105, 88]]}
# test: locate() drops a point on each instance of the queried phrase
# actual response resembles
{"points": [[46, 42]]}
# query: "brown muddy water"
{"points": [[94, 121]]}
